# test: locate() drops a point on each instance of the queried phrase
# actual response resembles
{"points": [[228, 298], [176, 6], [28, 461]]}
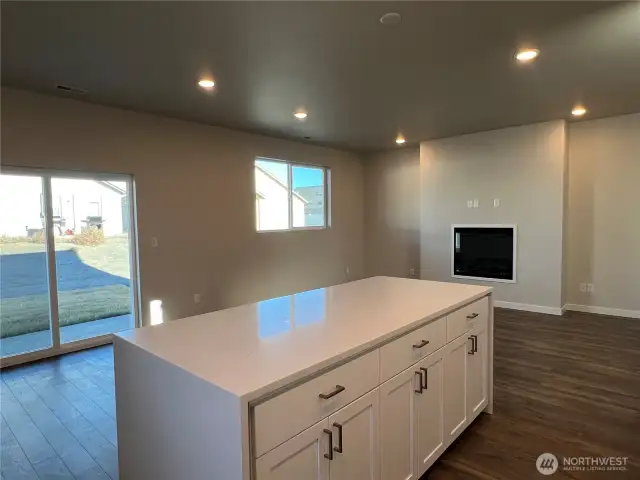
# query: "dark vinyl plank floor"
{"points": [[564, 385], [569, 386], [58, 418]]}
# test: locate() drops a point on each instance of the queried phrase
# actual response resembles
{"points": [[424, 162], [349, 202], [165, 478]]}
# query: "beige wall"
{"points": [[587, 205], [604, 212], [524, 168], [392, 212], [195, 194]]}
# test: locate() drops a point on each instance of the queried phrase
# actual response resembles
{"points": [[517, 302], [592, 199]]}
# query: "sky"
{"points": [[302, 176]]}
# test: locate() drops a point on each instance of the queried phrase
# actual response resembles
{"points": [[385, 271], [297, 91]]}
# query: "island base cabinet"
{"points": [[398, 430], [343, 446], [429, 407], [300, 457], [477, 372], [411, 430], [398, 424], [454, 364], [355, 440]]}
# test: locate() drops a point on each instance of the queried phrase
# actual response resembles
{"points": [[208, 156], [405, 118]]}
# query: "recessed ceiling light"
{"points": [[300, 114], [391, 18], [207, 83], [578, 111], [400, 139], [526, 55]]}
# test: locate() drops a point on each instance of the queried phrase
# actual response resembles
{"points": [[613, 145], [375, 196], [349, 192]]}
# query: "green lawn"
{"points": [[31, 313]]}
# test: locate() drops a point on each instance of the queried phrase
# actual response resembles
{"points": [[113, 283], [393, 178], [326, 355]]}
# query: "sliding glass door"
{"points": [[67, 264], [25, 316]]}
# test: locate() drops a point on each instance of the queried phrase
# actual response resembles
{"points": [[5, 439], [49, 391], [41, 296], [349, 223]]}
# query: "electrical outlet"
{"points": [[347, 271], [590, 288], [583, 287], [197, 297], [476, 203], [469, 203], [154, 242], [496, 202], [412, 272]]}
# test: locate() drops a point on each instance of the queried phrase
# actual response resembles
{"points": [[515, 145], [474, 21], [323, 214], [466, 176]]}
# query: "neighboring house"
{"points": [[314, 208], [76, 204], [272, 198]]}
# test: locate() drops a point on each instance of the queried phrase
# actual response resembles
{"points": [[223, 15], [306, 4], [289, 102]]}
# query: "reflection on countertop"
{"points": [[279, 315]]}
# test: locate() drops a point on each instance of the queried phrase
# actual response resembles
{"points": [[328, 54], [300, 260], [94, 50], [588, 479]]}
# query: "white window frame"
{"points": [[326, 172]]}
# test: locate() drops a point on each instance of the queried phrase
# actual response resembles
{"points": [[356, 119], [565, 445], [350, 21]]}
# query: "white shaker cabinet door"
{"points": [[355, 440], [454, 364], [398, 398], [299, 458], [429, 414], [477, 374]]}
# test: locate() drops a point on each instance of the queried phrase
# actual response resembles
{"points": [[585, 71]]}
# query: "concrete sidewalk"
{"points": [[30, 342]]}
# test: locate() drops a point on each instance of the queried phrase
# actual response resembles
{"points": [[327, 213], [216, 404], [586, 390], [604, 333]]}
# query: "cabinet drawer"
{"points": [[467, 317], [405, 351], [288, 414]]}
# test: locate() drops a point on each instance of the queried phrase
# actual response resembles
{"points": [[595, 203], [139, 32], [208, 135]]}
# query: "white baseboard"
{"points": [[528, 307], [614, 312]]}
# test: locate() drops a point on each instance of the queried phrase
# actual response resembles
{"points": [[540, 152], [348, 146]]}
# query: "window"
{"points": [[290, 196]]}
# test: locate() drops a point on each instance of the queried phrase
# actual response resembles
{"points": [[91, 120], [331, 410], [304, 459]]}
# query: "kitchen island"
{"points": [[371, 379]]}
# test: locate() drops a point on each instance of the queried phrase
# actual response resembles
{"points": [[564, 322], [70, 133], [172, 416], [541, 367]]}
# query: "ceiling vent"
{"points": [[71, 89]]}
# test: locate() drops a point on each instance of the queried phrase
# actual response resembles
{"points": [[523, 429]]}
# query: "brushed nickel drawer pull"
{"points": [[426, 378], [330, 454], [338, 389], [418, 390], [473, 350], [421, 344], [472, 316], [474, 343], [338, 449]]}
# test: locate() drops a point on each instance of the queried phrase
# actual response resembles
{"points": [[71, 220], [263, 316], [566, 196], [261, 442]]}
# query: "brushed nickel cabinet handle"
{"points": [[426, 378], [474, 343], [421, 344], [472, 316], [419, 390], [339, 447], [338, 389], [472, 351], [330, 454]]}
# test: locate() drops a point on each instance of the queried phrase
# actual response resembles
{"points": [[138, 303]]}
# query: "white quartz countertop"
{"points": [[254, 349]]}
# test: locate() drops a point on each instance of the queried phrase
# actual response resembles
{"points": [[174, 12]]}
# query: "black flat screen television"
{"points": [[484, 252]]}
